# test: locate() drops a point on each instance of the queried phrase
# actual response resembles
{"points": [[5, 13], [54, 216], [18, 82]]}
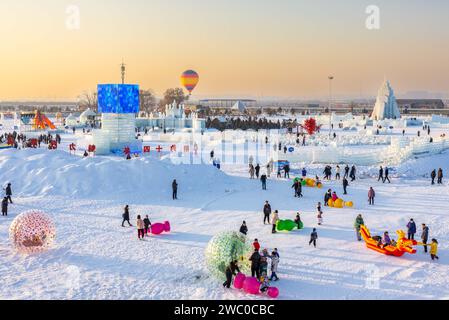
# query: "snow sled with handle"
{"points": [[403, 245]]}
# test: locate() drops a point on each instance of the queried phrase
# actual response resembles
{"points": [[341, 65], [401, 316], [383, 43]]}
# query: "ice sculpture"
{"points": [[386, 106], [118, 105]]}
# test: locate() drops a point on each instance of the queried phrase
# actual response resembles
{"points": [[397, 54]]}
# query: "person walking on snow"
{"points": [[381, 174], [433, 249], [274, 220], [147, 224], [267, 213], [244, 228], [440, 176], [264, 179], [337, 173], [257, 168], [345, 186], [352, 174], [386, 177], [140, 228], [433, 175], [313, 237], [371, 196], [5, 206], [425, 236], [357, 225], [126, 217], [304, 173], [8, 192], [251, 171], [175, 189], [411, 230], [346, 171]]}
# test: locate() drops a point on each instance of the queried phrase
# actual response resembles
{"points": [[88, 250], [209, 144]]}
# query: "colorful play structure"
{"points": [[252, 286], [403, 245], [36, 121]]}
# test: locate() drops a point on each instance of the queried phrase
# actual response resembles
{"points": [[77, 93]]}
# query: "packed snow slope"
{"points": [[95, 258]]}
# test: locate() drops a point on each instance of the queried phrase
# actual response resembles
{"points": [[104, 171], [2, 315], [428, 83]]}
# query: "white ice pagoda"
{"points": [[386, 105]]}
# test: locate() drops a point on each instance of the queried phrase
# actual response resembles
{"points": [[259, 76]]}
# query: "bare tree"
{"points": [[88, 100], [173, 94], [147, 101]]}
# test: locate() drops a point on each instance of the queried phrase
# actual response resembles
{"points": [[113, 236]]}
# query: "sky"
{"points": [[240, 48]]}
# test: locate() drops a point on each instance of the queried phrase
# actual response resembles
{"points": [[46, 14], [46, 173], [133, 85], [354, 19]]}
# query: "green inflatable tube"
{"points": [[288, 225]]}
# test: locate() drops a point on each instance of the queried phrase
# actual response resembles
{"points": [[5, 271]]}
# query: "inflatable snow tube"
{"points": [[273, 292], [167, 226], [239, 281], [251, 285], [319, 185], [339, 203], [330, 203], [349, 204], [288, 225]]}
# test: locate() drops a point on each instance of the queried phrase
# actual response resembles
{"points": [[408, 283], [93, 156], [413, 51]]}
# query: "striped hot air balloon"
{"points": [[189, 80]]}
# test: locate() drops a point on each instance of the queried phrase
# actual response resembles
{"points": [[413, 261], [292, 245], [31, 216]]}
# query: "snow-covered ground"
{"points": [[95, 258]]}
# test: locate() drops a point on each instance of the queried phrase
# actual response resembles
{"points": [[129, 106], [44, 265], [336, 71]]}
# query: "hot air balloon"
{"points": [[189, 80]]}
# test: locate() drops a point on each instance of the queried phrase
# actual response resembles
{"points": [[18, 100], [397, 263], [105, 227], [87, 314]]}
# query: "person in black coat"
{"points": [[263, 179], [345, 186], [298, 188], [175, 189], [8, 192], [411, 230], [387, 173], [328, 196], [346, 171], [257, 171], [352, 174], [433, 175], [381, 174], [126, 217], [255, 264], [5, 206], [147, 224], [244, 228], [313, 237], [266, 212], [230, 272]]}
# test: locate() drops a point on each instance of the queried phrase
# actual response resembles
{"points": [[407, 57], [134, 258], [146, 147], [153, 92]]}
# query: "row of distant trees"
{"points": [[148, 101], [253, 123]]}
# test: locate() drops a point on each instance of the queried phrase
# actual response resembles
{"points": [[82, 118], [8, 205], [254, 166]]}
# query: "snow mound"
{"points": [[57, 173]]}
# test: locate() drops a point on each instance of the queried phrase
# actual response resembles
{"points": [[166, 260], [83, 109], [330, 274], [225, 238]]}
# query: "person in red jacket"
{"points": [[256, 245], [371, 196]]}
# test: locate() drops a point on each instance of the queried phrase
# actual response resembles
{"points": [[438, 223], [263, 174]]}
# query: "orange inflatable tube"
{"points": [[403, 245]]}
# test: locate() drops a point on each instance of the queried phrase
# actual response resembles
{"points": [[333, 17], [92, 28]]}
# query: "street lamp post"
{"points": [[330, 104]]}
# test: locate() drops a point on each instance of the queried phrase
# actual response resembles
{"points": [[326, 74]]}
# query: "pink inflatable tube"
{"points": [[239, 281], [251, 285], [158, 228], [273, 292]]}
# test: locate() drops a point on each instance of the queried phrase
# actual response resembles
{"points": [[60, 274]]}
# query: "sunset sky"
{"points": [[257, 48]]}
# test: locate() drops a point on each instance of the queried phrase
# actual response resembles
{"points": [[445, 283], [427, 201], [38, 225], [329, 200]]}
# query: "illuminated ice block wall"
{"points": [[118, 105]]}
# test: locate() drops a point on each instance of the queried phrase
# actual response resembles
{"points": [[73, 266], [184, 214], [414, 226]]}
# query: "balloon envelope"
{"points": [[189, 80]]}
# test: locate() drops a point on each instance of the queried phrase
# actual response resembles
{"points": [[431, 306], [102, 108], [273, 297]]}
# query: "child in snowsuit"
{"points": [[264, 283], [433, 249], [244, 228], [298, 220], [274, 266]]}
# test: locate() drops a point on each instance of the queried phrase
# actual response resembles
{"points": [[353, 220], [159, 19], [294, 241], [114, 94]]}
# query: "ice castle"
{"points": [[386, 106]]}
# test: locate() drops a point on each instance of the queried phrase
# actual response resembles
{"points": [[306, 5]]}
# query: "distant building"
{"points": [[227, 104], [174, 118]]}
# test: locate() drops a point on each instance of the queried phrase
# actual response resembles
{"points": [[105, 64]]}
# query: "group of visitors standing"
{"points": [[143, 225], [437, 175]]}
